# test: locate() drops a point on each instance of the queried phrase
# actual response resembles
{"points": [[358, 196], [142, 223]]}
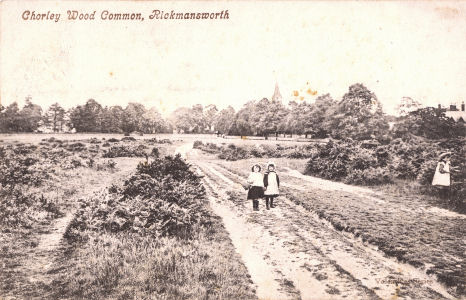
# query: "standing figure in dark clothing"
{"points": [[271, 184]]}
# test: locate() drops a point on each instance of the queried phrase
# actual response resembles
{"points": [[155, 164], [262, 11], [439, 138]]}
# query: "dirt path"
{"points": [[303, 254], [40, 261]]}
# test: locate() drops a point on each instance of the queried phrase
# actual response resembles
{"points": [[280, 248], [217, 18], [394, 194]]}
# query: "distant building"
{"points": [[276, 94], [458, 115]]}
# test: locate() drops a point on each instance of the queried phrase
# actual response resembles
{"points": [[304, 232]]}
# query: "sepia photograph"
{"points": [[268, 150]]}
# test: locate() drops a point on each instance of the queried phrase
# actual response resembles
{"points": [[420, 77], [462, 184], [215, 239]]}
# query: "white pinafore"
{"points": [[272, 187], [442, 179]]}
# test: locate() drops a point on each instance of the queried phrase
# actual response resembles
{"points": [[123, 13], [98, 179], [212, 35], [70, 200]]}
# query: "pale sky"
{"points": [[415, 49]]}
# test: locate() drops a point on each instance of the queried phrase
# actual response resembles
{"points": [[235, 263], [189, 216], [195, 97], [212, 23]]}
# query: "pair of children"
{"points": [[261, 186]]}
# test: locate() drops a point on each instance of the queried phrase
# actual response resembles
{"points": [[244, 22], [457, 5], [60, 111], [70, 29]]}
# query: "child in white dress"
{"points": [[442, 177], [256, 186]]}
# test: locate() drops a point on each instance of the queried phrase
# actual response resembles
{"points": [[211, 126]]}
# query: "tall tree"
{"points": [[243, 122], [197, 119], [30, 116], [152, 121], [181, 120], [319, 111], [55, 117], [358, 115], [10, 118], [87, 118], [189, 120], [270, 114], [297, 119], [210, 114], [132, 117], [224, 120]]}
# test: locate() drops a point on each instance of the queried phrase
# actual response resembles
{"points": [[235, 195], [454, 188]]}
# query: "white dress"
{"points": [[272, 187], [442, 179], [256, 179]]}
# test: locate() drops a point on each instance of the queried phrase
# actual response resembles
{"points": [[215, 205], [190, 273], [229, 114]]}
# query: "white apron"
{"points": [[272, 188], [442, 179]]}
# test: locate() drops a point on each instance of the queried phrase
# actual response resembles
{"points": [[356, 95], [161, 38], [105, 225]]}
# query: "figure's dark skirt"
{"points": [[255, 192]]}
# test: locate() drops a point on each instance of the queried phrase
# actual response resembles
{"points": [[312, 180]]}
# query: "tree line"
{"points": [[90, 117], [357, 115]]}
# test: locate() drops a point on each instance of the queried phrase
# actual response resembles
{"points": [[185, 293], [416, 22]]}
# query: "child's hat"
{"points": [[270, 163], [256, 164]]}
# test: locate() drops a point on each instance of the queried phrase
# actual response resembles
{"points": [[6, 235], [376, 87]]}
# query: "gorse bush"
{"points": [[21, 169], [369, 176], [128, 139], [76, 147], [24, 209], [94, 141], [156, 141], [331, 161], [164, 198], [174, 166], [125, 151], [197, 144], [407, 157], [360, 163], [29, 174], [234, 152]]}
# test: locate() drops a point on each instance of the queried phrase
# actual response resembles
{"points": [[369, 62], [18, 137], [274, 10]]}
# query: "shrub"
{"points": [[233, 152], [76, 147], [256, 152], [163, 198], [22, 149], [156, 141], [20, 209], [270, 151], [155, 152], [52, 140], [426, 172], [362, 159], [368, 162], [198, 144], [300, 152], [349, 162], [128, 139], [125, 151], [113, 140], [22, 170], [330, 161], [71, 162], [369, 176], [95, 141], [174, 166]]}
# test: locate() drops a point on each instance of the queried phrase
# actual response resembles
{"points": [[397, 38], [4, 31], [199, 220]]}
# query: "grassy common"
{"points": [[140, 225]]}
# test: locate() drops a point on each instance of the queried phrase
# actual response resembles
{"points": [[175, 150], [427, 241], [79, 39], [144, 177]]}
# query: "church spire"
{"points": [[276, 94]]}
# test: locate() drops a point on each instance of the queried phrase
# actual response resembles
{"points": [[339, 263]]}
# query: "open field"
{"points": [[105, 217], [37, 137], [44, 256]]}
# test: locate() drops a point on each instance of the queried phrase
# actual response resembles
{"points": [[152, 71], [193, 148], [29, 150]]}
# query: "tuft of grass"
{"points": [[130, 266]]}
